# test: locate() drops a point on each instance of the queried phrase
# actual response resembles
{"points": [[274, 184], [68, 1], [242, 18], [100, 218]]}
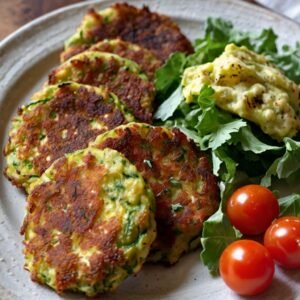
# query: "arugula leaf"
{"points": [[225, 166], [290, 205], [218, 29], [168, 107], [223, 134], [290, 162], [205, 98], [263, 42], [217, 234], [284, 166], [219, 33], [191, 134], [168, 77], [250, 142], [288, 61], [209, 117]]}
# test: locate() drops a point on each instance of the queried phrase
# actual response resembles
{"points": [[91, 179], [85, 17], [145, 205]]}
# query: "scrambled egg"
{"points": [[246, 84]]}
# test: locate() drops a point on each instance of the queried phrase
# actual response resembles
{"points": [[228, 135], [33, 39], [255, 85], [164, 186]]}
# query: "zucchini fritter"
{"points": [[60, 119], [142, 56], [121, 76], [89, 222], [180, 176], [140, 26]]}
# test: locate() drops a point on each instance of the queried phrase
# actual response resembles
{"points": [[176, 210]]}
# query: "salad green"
{"points": [[290, 205], [240, 152]]}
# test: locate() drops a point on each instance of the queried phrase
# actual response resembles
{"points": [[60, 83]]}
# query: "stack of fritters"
{"points": [[93, 176], [121, 76], [180, 177]]}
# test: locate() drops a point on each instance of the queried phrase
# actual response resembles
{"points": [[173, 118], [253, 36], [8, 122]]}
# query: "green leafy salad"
{"points": [[241, 152]]}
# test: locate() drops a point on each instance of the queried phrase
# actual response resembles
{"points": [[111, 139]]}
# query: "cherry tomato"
{"points": [[246, 267], [282, 239], [252, 208]]}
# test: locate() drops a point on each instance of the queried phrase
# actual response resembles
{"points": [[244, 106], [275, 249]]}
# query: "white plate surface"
{"points": [[26, 57]]}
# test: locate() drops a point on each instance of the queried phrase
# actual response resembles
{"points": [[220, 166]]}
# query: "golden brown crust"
{"points": [[66, 125], [177, 173], [74, 113], [130, 88], [142, 56], [70, 204], [153, 31], [73, 51]]}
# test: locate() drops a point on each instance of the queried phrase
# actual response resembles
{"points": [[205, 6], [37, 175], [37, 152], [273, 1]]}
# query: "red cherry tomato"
{"points": [[252, 208], [246, 267], [282, 239]]}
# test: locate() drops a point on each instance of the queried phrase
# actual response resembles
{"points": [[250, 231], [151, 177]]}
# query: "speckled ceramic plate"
{"points": [[26, 57]]}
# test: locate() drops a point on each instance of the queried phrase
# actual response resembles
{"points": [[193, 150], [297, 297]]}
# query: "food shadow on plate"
{"points": [[275, 292], [293, 275], [156, 280]]}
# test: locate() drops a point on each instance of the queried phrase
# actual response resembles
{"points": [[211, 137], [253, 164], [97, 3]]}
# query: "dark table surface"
{"points": [[15, 13]]}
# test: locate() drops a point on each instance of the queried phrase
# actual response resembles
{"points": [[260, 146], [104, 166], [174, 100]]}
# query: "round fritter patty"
{"points": [[142, 56], [121, 76], [140, 26], [89, 223], [181, 179], [61, 119]]}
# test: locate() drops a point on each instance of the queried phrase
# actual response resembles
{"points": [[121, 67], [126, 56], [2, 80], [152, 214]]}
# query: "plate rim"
{"points": [[37, 21], [13, 37]]}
